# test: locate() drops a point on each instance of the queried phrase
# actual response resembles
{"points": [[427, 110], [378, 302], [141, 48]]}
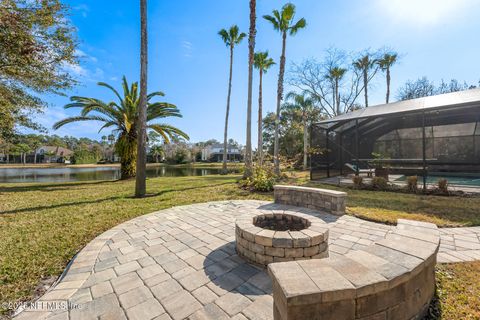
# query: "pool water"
{"points": [[454, 180]]}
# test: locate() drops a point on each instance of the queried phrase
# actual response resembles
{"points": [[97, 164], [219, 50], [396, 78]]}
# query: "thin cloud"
{"points": [[187, 48], [83, 9]]}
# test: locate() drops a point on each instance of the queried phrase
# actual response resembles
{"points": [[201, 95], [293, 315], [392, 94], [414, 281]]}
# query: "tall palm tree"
{"points": [[251, 51], [141, 179], [365, 65], [282, 21], [123, 117], [232, 37], [335, 75], [305, 105], [261, 62], [385, 63]]}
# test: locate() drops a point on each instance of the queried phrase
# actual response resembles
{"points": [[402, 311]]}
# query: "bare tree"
{"points": [[333, 82]]}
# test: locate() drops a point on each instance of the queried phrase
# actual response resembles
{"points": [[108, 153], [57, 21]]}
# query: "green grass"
{"points": [[387, 207], [458, 291], [42, 226]]}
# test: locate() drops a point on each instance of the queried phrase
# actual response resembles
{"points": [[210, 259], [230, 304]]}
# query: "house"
{"points": [[214, 153], [53, 154]]}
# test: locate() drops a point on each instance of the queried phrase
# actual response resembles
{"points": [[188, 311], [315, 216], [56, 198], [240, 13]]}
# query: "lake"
{"points": [[65, 174]]}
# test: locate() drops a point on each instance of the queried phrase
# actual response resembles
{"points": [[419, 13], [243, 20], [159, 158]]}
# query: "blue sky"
{"points": [[189, 62]]}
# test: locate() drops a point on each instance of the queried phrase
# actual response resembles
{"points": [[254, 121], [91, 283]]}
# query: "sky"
{"points": [[189, 62]]}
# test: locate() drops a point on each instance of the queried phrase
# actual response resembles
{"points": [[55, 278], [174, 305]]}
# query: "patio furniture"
{"points": [[368, 172]]}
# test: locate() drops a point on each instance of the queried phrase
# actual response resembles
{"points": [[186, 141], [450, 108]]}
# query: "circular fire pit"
{"points": [[267, 238]]}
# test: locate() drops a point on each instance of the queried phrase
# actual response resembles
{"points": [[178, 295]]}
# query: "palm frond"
{"points": [[225, 37], [107, 125], [168, 131], [65, 121], [275, 23], [240, 37], [302, 23], [155, 94], [288, 12], [106, 85]]}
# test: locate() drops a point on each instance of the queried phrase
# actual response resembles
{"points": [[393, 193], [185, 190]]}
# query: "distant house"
{"points": [[214, 153], [53, 154]]}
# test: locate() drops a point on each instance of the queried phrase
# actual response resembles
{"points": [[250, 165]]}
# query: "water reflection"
{"points": [[87, 174]]}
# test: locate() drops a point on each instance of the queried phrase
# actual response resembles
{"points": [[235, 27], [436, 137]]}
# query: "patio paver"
{"points": [[181, 263]]}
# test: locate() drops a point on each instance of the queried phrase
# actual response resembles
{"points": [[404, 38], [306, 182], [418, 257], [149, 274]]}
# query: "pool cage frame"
{"points": [[438, 134]]}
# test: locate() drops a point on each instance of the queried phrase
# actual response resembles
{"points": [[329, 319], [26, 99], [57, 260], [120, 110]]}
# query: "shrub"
{"points": [[357, 181], [263, 179], [443, 185], [379, 183], [412, 184]]}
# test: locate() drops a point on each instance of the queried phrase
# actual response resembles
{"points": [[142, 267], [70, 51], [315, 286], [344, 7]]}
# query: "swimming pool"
{"points": [[453, 180]]}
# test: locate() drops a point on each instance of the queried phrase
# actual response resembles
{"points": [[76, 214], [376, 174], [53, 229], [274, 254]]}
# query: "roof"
{"points": [[220, 145], [59, 151], [443, 101]]}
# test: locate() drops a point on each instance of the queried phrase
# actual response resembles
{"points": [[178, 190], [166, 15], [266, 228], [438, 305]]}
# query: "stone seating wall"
{"points": [[392, 279], [330, 201]]}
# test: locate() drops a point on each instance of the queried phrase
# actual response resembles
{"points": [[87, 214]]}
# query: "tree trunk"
{"points": [[225, 133], [35, 156], [127, 150], [260, 119], [140, 183], [305, 143], [365, 84], [251, 50], [388, 84], [337, 97], [281, 74]]}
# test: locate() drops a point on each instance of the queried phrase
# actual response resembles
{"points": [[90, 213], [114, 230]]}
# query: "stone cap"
{"points": [[314, 234], [328, 192], [384, 265]]}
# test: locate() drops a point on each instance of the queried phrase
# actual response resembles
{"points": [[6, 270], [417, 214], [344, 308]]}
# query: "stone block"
{"points": [[311, 251], [257, 248], [264, 237], [276, 252], [293, 252], [282, 239], [263, 259]]}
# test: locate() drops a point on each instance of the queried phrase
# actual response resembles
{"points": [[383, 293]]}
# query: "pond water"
{"points": [[65, 174]]}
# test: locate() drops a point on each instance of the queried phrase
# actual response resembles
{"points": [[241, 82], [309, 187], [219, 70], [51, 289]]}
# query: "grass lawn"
{"points": [[387, 207], [42, 226], [458, 291]]}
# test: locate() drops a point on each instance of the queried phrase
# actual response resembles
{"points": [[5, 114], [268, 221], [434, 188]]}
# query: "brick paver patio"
{"points": [[181, 263]]}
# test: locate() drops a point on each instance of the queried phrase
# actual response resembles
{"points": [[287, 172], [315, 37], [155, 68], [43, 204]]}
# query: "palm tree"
{"points": [[140, 182], [262, 62], [123, 117], [365, 64], [335, 75], [385, 63], [232, 37], [283, 22], [305, 105], [251, 51]]}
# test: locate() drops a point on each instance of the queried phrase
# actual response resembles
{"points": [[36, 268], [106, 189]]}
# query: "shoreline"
{"points": [[115, 165]]}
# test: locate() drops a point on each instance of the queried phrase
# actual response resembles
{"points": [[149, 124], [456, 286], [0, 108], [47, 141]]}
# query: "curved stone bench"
{"points": [[391, 279], [330, 201]]}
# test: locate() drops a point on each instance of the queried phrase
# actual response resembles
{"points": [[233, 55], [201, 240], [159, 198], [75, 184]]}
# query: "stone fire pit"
{"points": [[277, 237]]}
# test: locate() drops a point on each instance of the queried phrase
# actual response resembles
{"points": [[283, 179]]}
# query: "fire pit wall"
{"points": [[330, 201], [297, 237]]}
